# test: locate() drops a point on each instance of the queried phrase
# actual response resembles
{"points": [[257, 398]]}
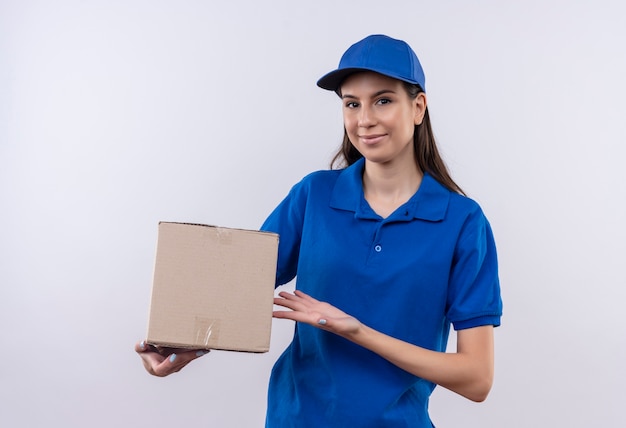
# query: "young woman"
{"points": [[388, 253]]}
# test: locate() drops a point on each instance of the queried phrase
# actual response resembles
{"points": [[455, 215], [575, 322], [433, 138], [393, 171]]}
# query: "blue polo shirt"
{"points": [[430, 264]]}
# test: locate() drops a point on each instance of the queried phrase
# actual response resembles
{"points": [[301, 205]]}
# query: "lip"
{"points": [[371, 139]]}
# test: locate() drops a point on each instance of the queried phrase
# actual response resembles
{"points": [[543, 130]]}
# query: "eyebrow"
{"points": [[376, 94]]}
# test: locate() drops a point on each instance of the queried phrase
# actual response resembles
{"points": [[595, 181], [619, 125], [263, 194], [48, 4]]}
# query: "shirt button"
{"points": [[378, 248]]}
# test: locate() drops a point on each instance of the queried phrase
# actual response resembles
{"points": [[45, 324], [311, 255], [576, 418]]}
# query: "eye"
{"points": [[383, 101], [352, 104]]}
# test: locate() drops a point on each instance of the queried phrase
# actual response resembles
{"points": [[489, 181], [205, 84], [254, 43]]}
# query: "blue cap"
{"points": [[381, 54]]}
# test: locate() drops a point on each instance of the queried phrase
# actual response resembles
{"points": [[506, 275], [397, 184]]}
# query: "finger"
{"points": [[282, 314], [290, 304], [297, 296], [291, 315], [305, 296], [167, 366], [176, 362], [311, 318], [184, 357], [140, 346], [143, 347], [296, 306], [150, 361], [288, 296]]}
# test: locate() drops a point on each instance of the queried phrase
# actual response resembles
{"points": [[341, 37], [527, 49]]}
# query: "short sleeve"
{"points": [[474, 290], [287, 221]]}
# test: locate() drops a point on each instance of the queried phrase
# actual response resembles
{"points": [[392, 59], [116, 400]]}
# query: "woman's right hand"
{"points": [[165, 361]]}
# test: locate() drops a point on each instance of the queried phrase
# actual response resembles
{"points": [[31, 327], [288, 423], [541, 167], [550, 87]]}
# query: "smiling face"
{"points": [[380, 117]]}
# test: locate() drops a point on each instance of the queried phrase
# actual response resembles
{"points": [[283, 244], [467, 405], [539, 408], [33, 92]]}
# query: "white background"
{"points": [[117, 114]]}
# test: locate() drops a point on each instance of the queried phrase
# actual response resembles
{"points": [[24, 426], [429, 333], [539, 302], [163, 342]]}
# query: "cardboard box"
{"points": [[213, 288]]}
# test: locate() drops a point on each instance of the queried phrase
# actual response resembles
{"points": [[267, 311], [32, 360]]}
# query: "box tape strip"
{"points": [[207, 332]]}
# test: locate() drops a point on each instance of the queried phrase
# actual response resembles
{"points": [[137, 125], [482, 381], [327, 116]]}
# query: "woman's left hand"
{"points": [[306, 309], [468, 371]]}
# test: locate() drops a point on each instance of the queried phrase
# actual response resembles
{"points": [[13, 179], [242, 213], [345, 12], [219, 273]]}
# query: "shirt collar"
{"points": [[430, 202]]}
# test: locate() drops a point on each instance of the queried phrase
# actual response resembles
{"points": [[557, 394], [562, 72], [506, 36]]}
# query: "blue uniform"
{"points": [[430, 264]]}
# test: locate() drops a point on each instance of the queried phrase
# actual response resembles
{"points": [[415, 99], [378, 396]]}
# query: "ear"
{"points": [[420, 108]]}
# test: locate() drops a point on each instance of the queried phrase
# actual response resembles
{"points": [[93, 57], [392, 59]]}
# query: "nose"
{"points": [[366, 117]]}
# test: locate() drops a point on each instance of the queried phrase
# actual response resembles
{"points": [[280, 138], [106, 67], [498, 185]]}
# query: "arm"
{"points": [[468, 372]]}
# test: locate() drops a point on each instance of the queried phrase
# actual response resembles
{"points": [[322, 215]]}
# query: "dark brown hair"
{"points": [[427, 155]]}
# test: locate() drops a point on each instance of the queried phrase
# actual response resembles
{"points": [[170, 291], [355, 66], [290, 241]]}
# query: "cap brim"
{"points": [[332, 81]]}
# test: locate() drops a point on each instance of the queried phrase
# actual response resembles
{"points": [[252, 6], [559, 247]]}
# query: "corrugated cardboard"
{"points": [[213, 288]]}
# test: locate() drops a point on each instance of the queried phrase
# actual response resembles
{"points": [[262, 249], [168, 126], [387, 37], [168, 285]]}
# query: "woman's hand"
{"points": [[468, 372], [162, 362], [306, 309]]}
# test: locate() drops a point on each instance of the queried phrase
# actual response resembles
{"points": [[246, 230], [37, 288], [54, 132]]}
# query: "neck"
{"points": [[387, 187]]}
